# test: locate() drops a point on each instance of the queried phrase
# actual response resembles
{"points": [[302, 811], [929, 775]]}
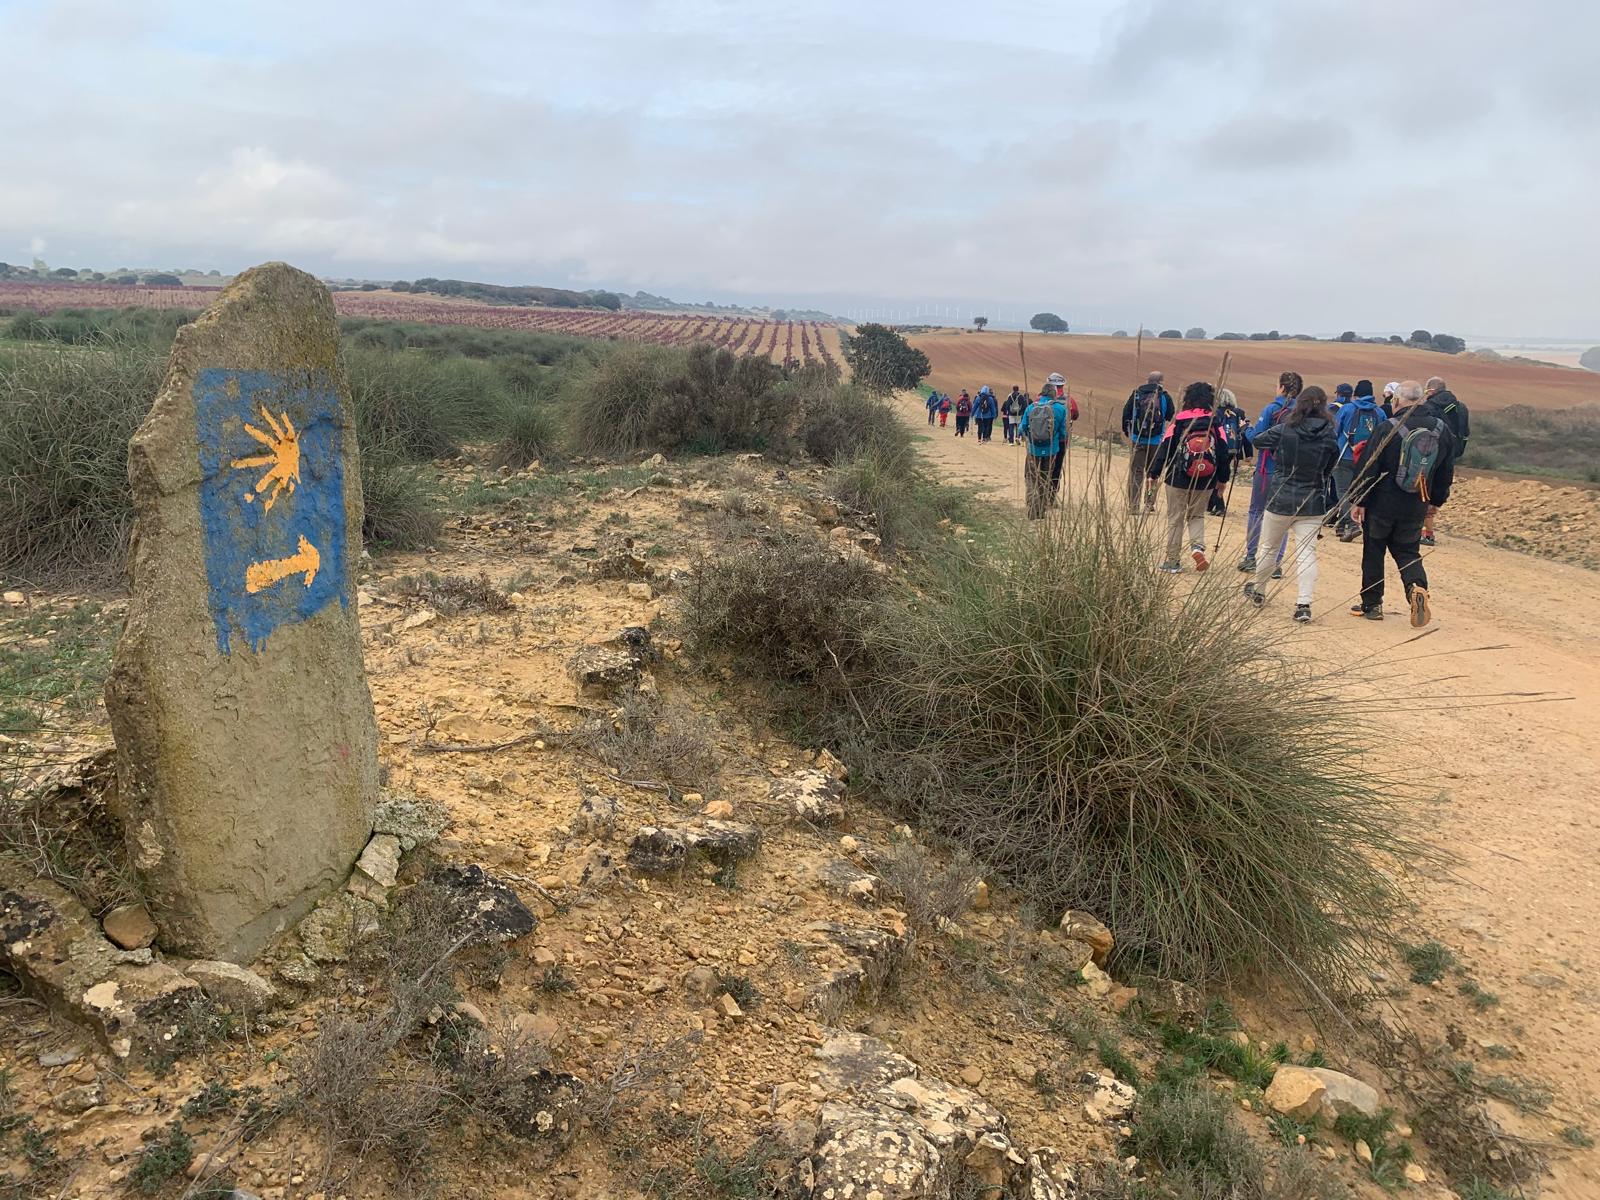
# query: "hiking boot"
{"points": [[1302, 613], [1247, 564], [1255, 597], [1201, 562], [1421, 614], [1427, 539], [1171, 568], [1349, 533]]}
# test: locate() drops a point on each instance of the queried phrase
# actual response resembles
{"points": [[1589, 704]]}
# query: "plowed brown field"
{"points": [[1101, 371]]}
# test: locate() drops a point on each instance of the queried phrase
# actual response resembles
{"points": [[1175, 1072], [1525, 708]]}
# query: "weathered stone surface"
{"points": [[240, 988], [655, 851], [1109, 1098], [1345, 1094], [1295, 1092], [857, 1062], [412, 820], [843, 877], [596, 817], [1171, 999], [55, 949], [246, 744], [80, 1099], [724, 842], [129, 926], [1085, 927], [614, 665], [485, 907], [811, 795], [871, 958], [377, 869]]}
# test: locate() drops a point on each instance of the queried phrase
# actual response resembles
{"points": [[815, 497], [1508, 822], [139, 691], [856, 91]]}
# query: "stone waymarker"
{"points": [[246, 744]]}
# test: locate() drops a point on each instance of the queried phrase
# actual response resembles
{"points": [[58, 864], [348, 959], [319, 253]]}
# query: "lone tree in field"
{"points": [[1349, 335], [980, 322], [882, 360], [1047, 323], [1195, 334]]}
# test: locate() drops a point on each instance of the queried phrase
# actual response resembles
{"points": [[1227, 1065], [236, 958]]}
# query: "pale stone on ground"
{"points": [[246, 743], [1296, 1092]]}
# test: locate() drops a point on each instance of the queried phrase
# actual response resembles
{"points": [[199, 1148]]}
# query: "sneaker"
{"points": [[1427, 540], [1349, 533], [1302, 613], [1201, 562], [1421, 614], [1172, 568], [1247, 564], [1277, 572], [1255, 597]]}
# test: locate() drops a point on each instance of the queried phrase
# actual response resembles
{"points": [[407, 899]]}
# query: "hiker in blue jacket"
{"points": [[1290, 386], [984, 410], [933, 403], [1044, 433], [1357, 419]]}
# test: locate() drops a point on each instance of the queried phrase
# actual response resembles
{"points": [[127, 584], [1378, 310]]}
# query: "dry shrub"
{"points": [[453, 595], [64, 830], [790, 609], [648, 739], [1107, 741], [932, 894]]}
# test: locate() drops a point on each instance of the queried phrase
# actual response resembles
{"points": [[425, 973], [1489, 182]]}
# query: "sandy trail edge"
{"points": [[1513, 791]]}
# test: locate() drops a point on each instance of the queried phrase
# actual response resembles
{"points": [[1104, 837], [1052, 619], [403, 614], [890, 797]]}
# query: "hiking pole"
{"points": [[1222, 520]]}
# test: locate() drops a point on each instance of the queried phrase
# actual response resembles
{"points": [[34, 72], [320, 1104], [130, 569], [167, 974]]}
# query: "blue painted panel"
{"points": [[271, 499]]}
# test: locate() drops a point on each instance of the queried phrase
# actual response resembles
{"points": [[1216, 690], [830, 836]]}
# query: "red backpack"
{"points": [[1197, 457]]}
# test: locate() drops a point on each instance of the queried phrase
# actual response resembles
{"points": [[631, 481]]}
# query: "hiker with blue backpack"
{"points": [[984, 410], [933, 404], [1354, 427], [1405, 474], [1044, 434], [1144, 424]]}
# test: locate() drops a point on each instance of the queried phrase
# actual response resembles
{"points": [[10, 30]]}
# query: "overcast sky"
{"points": [[1306, 165]]}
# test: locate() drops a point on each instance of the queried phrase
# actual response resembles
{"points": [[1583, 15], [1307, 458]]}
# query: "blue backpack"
{"points": [[1360, 431]]}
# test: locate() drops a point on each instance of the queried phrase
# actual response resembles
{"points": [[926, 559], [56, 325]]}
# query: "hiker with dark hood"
{"points": [[984, 411], [1043, 434], [1144, 423], [963, 413], [1441, 402], [1289, 387], [1304, 449], [1354, 426], [1194, 462], [1011, 412], [1405, 474]]}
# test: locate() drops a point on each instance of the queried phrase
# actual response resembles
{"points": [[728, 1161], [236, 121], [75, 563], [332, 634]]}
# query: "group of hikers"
{"points": [[1364, 466]]}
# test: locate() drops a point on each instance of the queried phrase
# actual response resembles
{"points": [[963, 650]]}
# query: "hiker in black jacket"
{"points": [[1442, 403], [1144, 423], [1304, 450], [1195, 462], [1406, 473]]}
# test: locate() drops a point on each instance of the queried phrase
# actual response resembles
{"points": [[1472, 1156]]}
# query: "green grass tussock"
{"points": [[1105, 740]]}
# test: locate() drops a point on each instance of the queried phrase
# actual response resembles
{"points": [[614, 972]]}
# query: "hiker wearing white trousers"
{"points": [[1304, 449]]}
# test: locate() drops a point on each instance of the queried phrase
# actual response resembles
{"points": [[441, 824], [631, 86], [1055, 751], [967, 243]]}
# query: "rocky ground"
{"points": [[724, 961]]}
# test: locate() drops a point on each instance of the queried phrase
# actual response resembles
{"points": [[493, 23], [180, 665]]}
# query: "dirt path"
{"points": [[1512, 790]]}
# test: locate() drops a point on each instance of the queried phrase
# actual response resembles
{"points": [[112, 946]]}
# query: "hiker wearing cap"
{"points": [[1056, 386], [1353, 428], [1144, 422], [1406, 473], [1289, 387], [984, 411], [1304, 449], [1442, 404], [1044, 435], [1011, 412], [1390, 390], [1195, 463]]}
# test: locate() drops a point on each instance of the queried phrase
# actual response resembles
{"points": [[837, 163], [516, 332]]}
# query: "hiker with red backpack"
{"points": [[963, 413], [1304, 450], [1405, 474], [1195, 461], [1354, 427]]}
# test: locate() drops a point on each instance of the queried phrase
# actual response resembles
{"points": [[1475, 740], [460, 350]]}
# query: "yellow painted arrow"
{"points": [[305, 559]]}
